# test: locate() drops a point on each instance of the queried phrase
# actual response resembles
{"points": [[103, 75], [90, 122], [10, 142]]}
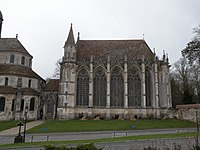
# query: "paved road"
{"points": [[171, 144], [7, 139]]}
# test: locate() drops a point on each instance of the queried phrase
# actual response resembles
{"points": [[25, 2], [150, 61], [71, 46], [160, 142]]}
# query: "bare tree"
{"points": [[181, 76], [57, 69], [192, 50]]}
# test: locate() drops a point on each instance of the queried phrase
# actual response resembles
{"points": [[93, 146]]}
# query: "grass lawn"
{"points": [[125, 138], [7, 124], [105, 125]]}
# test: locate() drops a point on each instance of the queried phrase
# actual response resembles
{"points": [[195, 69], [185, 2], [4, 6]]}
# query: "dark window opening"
{"points": [[29, 83], [12, 59], [23, 60], [2, 103], [19, 82], [6, 81], [13, 105], [22, 105], [32, 104]]}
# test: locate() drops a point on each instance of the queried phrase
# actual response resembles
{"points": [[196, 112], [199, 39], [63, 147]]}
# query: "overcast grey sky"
{"points": [[43, 25]]}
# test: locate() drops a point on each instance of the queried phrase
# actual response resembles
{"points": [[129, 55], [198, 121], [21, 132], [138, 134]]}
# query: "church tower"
{"points": [[1, 22], [68, 79]]}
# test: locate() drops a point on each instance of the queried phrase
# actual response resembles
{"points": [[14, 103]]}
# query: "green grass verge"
{"points": [[51, 126], [4, 125], [125, 138], [7, 124]]}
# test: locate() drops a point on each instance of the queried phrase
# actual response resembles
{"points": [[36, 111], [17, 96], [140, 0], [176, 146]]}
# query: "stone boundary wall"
{"points": [[186, 112]]}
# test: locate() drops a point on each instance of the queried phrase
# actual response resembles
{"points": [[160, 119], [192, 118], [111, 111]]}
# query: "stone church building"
{"points": [[104, 78], [20, 86], [110, 78]]}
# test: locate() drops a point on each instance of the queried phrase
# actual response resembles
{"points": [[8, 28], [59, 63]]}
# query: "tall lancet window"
{"points": [[148, 87], [134, 87], [117, 88], [99, 88], [82, 88]]}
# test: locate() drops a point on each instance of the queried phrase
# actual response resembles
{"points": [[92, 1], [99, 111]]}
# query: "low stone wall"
{"points": [[186, 112]]}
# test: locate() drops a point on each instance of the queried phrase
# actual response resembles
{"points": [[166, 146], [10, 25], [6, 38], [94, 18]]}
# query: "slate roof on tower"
{"points": [[13, 45], [9, 69]]}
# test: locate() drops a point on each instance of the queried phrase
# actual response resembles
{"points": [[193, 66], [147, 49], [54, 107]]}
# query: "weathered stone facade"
{"points": [[19, 84], [49, 100], [186, 112], [112, 78]]}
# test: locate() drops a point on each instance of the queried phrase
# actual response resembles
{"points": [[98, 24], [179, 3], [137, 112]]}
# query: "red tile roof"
{"points": [[52, 85]]}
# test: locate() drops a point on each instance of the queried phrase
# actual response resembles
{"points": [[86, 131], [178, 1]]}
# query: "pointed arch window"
{"points": [[100, 87], [12, 58], [2, 103], [117, 88], [134, 88], [32, 104], [23, 60], [82, 88], [148, 87]]}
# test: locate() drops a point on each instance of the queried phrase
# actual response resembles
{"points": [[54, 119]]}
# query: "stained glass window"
{"points": [[148, 87], [134, 88], [117, 88], [99, 88], [82, 98]]}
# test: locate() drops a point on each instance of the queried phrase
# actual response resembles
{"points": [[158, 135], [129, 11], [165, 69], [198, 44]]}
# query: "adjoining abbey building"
{"points": [[110, 78]]}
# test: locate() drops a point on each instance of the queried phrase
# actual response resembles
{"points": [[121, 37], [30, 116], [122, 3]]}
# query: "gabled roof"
{"points": [[131, 48], [12, 45], [17, 70], [52, 85]]}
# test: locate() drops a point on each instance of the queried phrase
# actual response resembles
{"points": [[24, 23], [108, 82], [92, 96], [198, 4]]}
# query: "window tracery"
{"points": [[148, 87], [117, 88], [82, 88], [134, 88], [100, 87]]}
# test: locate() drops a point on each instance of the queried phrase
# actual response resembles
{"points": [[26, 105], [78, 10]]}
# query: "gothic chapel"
{"points": [[110, 78]]}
